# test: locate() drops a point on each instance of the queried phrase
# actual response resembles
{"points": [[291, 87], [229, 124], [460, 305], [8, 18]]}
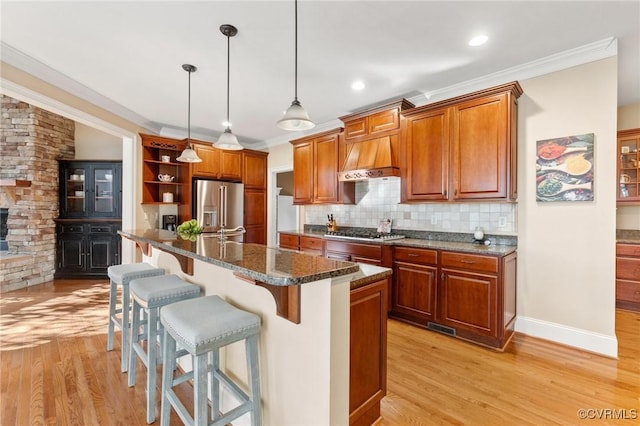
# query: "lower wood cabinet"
{"points": [[469, 296], [86, 249], [368, 352], [628, 276], [415, 272], [354, 252], [312, 245]]}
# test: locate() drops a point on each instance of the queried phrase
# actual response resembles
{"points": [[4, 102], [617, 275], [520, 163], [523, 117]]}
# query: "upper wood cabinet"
{"points": [[462, 148], [375, 121], [629, 166], [316, 159], [217, 163], [254, 165]]}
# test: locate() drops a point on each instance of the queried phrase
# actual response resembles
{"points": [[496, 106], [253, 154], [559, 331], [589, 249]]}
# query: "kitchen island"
{"points": [[321, 361]]}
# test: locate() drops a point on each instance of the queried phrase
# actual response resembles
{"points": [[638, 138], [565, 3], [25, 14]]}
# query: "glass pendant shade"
{"points": [[296, 118], [189, 156], [228, 141]]}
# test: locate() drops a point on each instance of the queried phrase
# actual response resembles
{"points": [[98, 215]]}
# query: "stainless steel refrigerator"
{"points": [[218, 205]]}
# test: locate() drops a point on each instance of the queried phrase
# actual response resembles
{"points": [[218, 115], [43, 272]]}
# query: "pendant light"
{"points": [[296, 118], [228, 140], [189, 155]]}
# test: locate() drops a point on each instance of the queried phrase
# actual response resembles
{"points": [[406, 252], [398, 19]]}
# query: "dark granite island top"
{"points": [[268, 265]]}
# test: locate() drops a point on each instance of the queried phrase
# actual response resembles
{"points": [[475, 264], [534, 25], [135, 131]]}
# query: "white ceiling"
{"points": [[127, 56]]}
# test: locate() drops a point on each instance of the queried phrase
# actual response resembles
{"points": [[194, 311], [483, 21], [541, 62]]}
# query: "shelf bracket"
{"points": [[287, 298], [186, 263]]}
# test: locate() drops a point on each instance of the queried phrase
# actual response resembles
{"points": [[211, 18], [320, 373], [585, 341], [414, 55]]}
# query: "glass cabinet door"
{"points": [[75, 191], [103, 191]]}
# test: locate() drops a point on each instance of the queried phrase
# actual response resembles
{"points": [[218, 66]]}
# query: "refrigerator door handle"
{"points": [[223, 206]]}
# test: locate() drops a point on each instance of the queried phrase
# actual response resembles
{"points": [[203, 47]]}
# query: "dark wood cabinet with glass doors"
{"points": [[87, 242]]}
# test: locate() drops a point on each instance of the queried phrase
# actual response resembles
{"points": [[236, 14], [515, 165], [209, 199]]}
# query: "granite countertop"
{"points": [[629, 236], [368, 274], [493, 249], [261, 263]]}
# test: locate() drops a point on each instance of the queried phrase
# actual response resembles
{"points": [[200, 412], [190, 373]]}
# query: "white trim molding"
{"points": [[582, 339]]}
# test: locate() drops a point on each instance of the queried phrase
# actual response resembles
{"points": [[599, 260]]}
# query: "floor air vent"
{"points": [[441, 329]]}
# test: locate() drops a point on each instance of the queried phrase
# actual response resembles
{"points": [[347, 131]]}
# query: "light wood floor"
{"points": [[54, 370]]}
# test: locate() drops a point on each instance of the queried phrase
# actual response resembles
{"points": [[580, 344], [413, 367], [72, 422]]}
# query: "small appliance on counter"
{"points": [[479, 237], [169, 222]]}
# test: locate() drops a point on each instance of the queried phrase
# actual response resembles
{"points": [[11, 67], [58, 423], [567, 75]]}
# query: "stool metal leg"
{"points": [[251, 347], [113, 291]]}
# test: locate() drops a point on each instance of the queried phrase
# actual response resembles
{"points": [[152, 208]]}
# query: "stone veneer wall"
{"points": [[31, 142]]}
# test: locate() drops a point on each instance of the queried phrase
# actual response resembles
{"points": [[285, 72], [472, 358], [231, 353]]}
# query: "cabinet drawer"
{"points": [[371, 251], [311, 243], [76, 228], [413, 255], [289, 241], [470, 262], [101, 229], [627, 268], [629, 250], [628, 291]]}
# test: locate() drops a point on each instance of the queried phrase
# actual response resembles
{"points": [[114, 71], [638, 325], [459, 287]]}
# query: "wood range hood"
{"points": [[372, 142], [373, 158]]}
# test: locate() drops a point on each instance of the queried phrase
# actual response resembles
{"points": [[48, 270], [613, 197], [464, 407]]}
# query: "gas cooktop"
{"points": [[363, 236]]}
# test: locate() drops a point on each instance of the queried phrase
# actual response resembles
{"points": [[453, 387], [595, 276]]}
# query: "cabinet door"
{"points": [[71, 256], [326, 169], [210, 165], [104, 198], [231, 165], [427, 156], [469, 302], [73, 190], [255, 170], [367, 351], [99, 254], [481, 148], [303, 173], [414, 292], [255, 215], [628, 181]]}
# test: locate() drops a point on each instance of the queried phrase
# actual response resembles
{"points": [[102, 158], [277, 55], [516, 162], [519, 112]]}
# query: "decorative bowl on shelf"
{"points": [[79, 193]]}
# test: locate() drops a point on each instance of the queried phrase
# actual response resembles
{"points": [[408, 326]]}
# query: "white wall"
{"points": [[566, 250], [628, 217], [92, 144]]}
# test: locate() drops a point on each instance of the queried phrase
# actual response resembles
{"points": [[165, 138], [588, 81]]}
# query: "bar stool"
{"points": [[121, 275], [202, 326], [149, 295]]}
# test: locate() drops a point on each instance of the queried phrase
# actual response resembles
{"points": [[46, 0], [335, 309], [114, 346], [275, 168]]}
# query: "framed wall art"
{"points": [[564, 169]]}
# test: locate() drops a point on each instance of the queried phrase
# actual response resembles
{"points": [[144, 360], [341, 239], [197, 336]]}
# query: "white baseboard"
{"points": [[582, 339]]}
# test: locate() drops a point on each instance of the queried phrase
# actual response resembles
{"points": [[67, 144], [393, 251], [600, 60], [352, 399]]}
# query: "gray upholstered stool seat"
{"points": [[149, 295], [202, 326], [121, 275]]}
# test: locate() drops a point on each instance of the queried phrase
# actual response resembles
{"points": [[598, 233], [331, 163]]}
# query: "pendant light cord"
{"points": [[295, 95], [228, 77], [189, 113]]}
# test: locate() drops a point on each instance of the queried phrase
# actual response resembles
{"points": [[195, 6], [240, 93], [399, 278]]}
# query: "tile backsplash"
{"points": [[380, 198]]}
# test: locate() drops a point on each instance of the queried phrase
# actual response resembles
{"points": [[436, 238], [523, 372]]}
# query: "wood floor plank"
{"points": [[55, 370]]}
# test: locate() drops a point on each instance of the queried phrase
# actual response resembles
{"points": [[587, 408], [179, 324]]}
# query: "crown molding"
{"points": [[569, 58], [42, 71]]}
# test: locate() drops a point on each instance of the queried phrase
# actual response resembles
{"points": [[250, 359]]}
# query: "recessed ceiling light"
{"points": [[478, 40], [358, 85]]}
